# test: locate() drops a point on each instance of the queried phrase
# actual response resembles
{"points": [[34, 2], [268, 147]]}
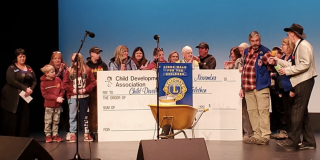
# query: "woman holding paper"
{"points": [[15, 96], [285, 88], [287, 48]]}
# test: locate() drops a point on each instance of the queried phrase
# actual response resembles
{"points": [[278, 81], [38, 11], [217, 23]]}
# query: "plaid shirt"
{"points": [[248, 77]]}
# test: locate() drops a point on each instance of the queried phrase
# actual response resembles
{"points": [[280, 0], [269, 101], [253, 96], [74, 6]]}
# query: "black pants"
{"points": [[299, 117], [16, 124], [287, 105], [278, 121]]}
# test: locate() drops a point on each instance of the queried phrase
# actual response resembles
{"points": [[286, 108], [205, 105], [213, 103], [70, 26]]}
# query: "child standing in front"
{"points": [[86, 82], [52, 94]]}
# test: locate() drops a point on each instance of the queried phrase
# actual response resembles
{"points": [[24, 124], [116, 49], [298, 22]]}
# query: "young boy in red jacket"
{"points": [[52, 94]]}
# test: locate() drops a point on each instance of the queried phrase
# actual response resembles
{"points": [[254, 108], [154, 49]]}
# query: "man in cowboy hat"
{"points": [[302, 72]]}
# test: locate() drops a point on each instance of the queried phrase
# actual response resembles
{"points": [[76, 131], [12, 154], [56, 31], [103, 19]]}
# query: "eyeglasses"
{"points": [[160, 49]]}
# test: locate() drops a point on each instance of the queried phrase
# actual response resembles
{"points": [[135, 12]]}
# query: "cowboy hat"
{"points": [[297, 29]]}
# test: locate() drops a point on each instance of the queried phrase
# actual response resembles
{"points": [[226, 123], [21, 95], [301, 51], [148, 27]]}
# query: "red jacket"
{"points": [[88, 78], [153, 65], [51, 90]]}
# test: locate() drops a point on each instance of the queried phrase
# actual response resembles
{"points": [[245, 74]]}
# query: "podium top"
{"points": [[183, 115]]}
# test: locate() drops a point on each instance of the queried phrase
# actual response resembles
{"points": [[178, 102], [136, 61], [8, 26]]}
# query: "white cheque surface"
{"points": [[124, 114]]}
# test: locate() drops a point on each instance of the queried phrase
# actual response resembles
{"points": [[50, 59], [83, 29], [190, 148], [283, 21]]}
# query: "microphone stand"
{"points": [[158, 127], [76, 59]]}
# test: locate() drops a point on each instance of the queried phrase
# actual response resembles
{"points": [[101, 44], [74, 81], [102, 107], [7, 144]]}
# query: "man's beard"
{"points": [[255, 47]]}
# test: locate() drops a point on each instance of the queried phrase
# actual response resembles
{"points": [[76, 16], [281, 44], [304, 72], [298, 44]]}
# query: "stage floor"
{"points": [[218, 150]]}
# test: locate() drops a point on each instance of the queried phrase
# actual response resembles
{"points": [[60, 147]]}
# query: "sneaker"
{"points": [[284, 143], [48, 139], [56, 138], [87, 137], [93, 135], [263, 141], [287, 145], [72, 137], [68, 136], [274, 136], [251, 140], [281, 134], [305, 147], [245, 138]]}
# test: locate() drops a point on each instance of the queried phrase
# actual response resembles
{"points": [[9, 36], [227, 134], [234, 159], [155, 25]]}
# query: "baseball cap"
{"points": [[203, 45], [95, 50]]}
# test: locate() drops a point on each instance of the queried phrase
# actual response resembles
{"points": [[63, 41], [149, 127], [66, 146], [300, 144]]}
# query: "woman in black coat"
{"points": [[15, 110]]}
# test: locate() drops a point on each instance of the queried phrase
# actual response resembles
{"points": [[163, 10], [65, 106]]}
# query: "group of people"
{"points": [[61, 86], [287, 76], [288, 79], [121, 60]]}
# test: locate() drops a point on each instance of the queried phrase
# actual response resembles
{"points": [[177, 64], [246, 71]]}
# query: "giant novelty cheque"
{"points": [[124, 96]]}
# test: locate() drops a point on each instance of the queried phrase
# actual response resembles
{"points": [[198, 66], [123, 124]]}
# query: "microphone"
{"points": [[156, 37], [91, 34]]}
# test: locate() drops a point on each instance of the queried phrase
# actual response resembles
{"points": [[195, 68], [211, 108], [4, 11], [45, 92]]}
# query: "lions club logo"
{"points": [[175, 87]]}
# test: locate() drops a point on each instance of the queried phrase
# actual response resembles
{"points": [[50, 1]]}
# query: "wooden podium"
{"points": [[180, 117]]}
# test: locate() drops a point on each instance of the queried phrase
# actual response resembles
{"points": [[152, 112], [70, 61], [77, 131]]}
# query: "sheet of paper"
{"points": [[277, 67], [27, 99]]}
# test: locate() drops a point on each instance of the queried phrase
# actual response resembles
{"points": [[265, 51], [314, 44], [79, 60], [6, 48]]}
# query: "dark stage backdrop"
{"points": [[33, 26]]}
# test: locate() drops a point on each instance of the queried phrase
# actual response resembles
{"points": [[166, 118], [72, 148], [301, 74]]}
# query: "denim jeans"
{"points": [[83, 104]]}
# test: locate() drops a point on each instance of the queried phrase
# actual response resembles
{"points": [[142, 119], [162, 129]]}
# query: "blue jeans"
{"points": [[83, 104]]}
